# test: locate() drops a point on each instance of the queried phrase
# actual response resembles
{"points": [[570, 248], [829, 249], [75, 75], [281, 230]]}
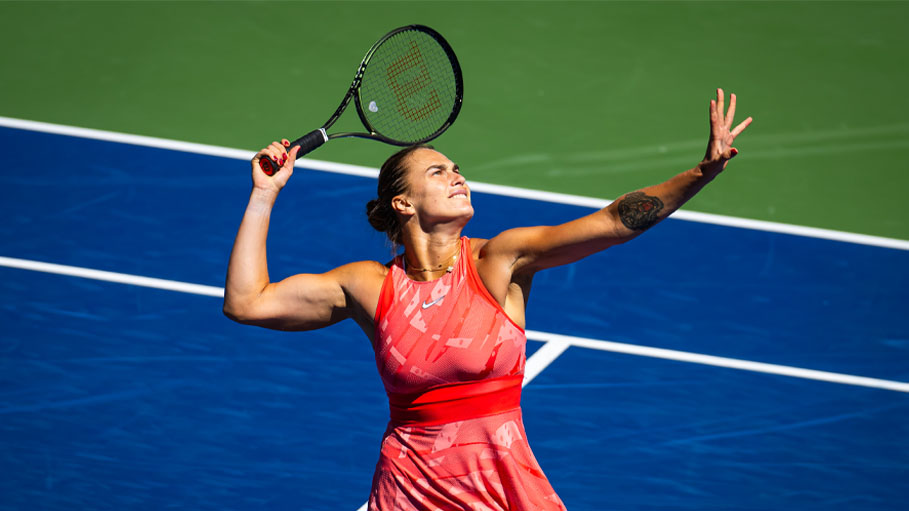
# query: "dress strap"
{"points": [[457, 401], [386, 293]]}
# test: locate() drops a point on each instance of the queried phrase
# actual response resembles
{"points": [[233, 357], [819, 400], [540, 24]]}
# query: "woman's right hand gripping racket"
{"points": [[408, 90]]}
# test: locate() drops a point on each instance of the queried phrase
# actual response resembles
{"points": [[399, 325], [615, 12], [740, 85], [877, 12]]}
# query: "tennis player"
{"points": [[446, 317]]}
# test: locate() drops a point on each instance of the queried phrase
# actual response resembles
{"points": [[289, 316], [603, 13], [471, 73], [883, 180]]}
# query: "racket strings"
{"points": [[406, 89], [409, 88]]}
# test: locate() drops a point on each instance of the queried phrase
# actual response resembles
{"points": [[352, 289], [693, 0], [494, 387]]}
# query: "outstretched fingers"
{"points": [[741, 127], [730, 115], [722, 133], [720, 120], [720, 103]]}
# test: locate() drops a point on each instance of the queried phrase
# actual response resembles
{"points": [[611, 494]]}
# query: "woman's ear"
{"points": [[401, 205]]}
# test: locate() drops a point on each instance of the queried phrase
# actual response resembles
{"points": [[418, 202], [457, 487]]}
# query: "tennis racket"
{"points": [[408, 90]]}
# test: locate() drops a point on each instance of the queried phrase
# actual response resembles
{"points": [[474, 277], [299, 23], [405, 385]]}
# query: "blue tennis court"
{"points": [[125, 396]]}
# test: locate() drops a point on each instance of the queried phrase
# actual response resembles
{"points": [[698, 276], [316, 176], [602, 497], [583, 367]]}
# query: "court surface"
{"points": [[142, 395]]}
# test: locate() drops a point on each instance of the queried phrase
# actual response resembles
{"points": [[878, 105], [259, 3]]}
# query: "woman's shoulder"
{"points": [[362, 281], [365, 269], [482, 248], [476, 246]]}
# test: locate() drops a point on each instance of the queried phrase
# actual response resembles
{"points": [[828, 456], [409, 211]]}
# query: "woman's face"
{"points": [[436, 189]]}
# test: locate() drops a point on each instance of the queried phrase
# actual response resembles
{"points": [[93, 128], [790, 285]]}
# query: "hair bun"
{"points": [[378, 217]]}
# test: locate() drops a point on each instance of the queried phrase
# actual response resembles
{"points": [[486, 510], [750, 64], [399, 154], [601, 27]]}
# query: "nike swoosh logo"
{"points": [[427, 305]]}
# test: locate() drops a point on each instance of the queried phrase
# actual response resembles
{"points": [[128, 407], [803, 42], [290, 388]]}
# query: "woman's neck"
{"points": [[428, 257]]}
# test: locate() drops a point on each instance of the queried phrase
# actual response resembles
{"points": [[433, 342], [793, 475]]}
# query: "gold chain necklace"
{"points": [[451, 260]]}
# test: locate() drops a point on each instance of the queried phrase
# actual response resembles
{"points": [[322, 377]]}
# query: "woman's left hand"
{"points": [[722, 135]]}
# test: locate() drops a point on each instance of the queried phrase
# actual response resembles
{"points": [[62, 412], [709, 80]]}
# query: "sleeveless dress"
{"points": [[452, 363]]}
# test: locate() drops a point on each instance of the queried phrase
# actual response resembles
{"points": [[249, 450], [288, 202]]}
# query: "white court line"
{"points": [[731, 363], [555, 345], [541, 358], [108, 276], [509, 191]]}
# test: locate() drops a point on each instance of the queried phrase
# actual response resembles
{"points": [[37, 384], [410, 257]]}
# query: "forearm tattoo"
{"points": [[639, 211]]}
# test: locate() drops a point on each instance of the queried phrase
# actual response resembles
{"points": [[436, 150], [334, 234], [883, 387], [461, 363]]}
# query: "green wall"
{"points": [[590, 98]]}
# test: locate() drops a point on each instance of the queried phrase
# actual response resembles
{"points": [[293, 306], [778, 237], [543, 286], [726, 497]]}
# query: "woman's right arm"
{"points": [[301, 302]]}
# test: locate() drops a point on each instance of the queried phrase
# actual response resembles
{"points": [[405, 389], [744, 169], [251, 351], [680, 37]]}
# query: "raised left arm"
{"points": [[531, 249]]}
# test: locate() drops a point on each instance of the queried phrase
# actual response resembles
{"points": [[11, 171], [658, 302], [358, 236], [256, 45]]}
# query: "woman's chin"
{"points": [[460, 215]]}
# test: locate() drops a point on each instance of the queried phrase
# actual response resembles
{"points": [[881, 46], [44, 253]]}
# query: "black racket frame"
{"points": [[316, 138]]}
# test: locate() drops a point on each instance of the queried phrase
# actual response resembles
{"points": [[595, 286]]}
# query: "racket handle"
{"points": [[307, 143]]}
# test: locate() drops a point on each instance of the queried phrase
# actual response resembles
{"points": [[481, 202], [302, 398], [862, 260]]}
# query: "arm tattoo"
{"points": [[639, 211]]}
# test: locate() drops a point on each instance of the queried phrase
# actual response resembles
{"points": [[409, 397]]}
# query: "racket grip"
{"points": [[308, 143]]}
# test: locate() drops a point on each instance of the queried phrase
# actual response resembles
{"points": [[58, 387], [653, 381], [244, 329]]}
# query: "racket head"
{"points": [[410, 86]]}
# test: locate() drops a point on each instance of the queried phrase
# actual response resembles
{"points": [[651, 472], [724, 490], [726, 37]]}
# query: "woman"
{"points": [[446, 317]]}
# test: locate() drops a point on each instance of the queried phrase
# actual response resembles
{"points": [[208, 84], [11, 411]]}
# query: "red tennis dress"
{"points": [[452, 363]]}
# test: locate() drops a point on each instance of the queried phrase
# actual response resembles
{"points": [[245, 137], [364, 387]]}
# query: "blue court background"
{"points": [[121, 397]]}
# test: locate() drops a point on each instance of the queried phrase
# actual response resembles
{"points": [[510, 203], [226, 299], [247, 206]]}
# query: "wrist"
{"points": [[263, 197], [708, 169]]}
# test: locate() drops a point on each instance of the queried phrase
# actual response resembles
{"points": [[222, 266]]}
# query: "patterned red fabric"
{"points": [[451, 361]]}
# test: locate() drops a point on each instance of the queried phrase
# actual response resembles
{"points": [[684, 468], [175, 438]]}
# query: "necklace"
{"points": [[442, 267]]}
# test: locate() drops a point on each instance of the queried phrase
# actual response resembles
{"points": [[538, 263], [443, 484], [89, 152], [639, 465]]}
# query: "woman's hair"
{"points": [[392, 182]]}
